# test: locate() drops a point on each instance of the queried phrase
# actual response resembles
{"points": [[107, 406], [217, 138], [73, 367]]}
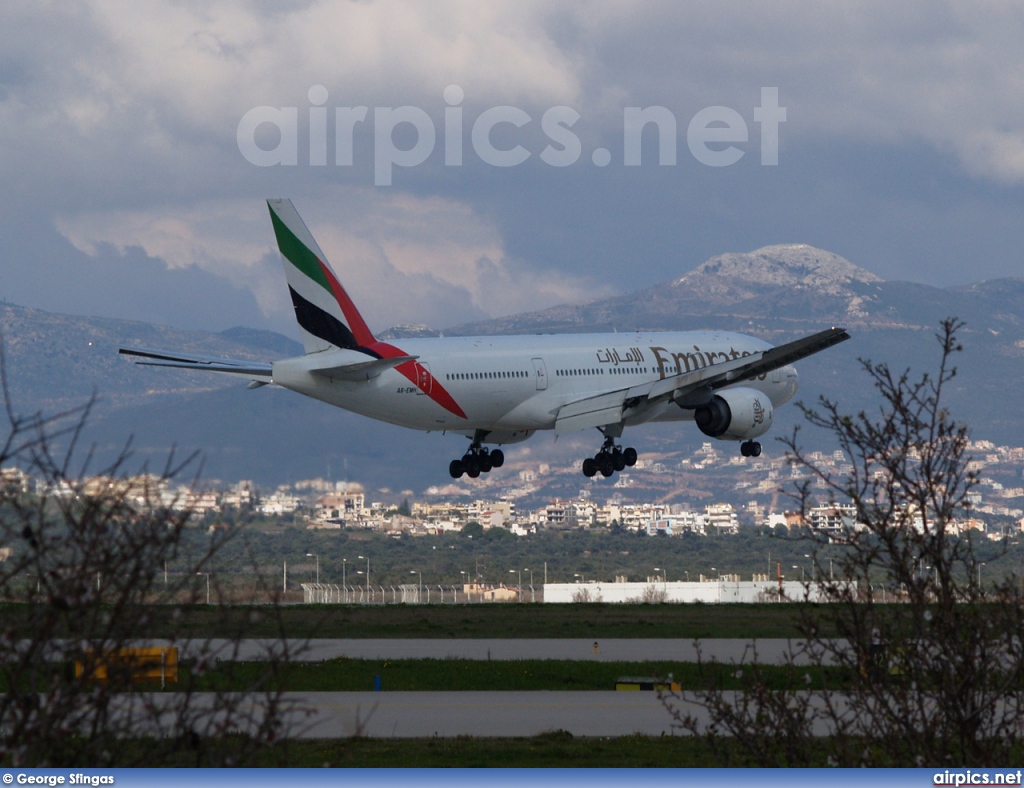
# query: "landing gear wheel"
{"points": [[497, 458], [606, 464], [618, 460], [629, 456], [750, 449], [456, 469], [485, 463], [472, 465], [589, 467]]}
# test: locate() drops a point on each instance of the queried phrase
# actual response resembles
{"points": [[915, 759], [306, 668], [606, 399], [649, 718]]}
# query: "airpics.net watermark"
{"points": [[712, 126]]}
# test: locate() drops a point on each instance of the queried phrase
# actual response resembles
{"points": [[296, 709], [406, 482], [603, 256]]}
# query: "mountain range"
{"points": [[778, 292]]}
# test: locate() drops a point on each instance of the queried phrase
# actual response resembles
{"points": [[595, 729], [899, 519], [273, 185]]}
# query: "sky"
{"points": [[495, 167]]}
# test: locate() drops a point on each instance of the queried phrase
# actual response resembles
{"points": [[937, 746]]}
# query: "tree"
{"points": [[935, 679], [85, 578]]}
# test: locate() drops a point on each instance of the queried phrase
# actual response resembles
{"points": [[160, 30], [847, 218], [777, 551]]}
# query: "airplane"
{"points": [[500, 390]]}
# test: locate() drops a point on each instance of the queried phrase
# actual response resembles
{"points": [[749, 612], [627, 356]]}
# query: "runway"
{"points": [[331, 715], [449, 714]]}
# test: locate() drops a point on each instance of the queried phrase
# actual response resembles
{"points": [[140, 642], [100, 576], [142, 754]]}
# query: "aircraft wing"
{"points": [[257, 372], [696, 386]]}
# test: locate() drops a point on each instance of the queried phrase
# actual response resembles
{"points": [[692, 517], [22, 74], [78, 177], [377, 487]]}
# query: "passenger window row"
{"points": [[573, 373], [502, 375]]}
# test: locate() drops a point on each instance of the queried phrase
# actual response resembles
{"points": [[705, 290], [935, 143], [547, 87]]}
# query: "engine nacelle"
{"points": [[735, 414]]}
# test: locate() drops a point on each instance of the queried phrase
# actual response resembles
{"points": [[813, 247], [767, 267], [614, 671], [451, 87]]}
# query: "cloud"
{"points": [[404, 259], [119, 124], [217, 237], [947, 75], [42, 269], [154, 84]]}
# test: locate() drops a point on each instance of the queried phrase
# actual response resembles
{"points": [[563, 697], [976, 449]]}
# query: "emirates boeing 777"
{"points": [[497, 390]]}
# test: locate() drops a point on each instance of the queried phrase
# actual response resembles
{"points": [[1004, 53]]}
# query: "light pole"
{"points": [[344, 561], [367, 577], [532, 597], [979, 575], [801, 572], [419, 584], [714, 570], [317, 557], [207, 585], [664, 581], [519, 589], [687, 575]]}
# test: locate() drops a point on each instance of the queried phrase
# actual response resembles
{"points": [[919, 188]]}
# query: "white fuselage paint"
{"points": [[513, 385]]}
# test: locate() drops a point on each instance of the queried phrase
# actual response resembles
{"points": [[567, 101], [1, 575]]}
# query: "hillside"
{"points": [[775, 291], [782, 291], [56, 361], [272, 436]]}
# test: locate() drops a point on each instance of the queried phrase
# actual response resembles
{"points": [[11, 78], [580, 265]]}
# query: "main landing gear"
{"points": [[476, 461], [750, 449], [609, 459]]}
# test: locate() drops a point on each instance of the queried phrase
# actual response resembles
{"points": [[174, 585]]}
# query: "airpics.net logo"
{"points": [[713, 135]]}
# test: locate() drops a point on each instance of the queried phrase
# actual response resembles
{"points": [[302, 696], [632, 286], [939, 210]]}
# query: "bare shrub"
{"points": [[584, 596], [651, 595], [933, 680], [83, 581]]}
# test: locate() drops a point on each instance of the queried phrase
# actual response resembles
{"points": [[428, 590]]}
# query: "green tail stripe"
{"points": [[297, 253]]}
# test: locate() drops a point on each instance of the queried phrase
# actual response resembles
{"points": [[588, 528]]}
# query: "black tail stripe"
{"points": [[321, 324]]}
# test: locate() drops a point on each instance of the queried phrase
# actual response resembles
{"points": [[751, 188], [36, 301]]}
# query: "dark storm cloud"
{"points": [[902, 120]]}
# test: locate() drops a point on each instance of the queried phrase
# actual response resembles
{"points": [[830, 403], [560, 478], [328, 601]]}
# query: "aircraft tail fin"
{"points": [[325, 313]]}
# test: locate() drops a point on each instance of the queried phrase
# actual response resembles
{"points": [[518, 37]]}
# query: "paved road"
{"points": [[448, 714], [483, 714], [333, 715]]}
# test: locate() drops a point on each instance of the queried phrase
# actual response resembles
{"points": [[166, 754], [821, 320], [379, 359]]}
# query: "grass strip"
{"points": [[497, 620], [547, 750], [465, 675]]}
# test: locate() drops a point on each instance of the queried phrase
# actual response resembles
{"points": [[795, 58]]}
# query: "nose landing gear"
{"points": [[609, 459]]}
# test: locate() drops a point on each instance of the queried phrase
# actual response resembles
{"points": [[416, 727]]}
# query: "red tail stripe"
{"points": [[437, 392], [355, 320]]}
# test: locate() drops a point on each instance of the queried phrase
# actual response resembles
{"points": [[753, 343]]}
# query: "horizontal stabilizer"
{"points": [[253, 370], [363, 369]]}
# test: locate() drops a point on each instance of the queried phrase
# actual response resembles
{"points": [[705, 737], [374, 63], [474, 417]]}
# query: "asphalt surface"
{"points": [[448, 714]]}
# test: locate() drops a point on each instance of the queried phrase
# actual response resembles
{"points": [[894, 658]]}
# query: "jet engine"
{"points": [[735, 414]]}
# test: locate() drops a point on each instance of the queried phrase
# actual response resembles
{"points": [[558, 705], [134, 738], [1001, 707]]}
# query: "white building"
{"points": [[279, 503], [722, 517], [727, 589]]}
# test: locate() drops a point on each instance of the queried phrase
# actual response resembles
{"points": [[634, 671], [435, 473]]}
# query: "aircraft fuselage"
{"points": [[510, 386]]}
